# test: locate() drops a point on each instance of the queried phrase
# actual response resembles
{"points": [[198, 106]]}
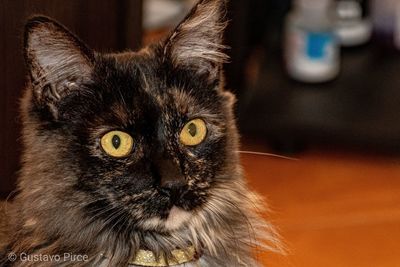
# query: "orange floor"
{"points": [[333, 209]]}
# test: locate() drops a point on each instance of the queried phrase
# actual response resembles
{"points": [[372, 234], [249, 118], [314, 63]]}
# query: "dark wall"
{"points": [[253, 23], [103, 25]]}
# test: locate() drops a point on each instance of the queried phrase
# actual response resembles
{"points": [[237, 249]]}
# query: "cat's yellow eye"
{"points": [[117, 144], [194, 133]]}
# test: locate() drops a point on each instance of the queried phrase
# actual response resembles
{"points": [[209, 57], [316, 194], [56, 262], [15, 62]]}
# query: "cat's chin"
{"points": [[176, 219]]}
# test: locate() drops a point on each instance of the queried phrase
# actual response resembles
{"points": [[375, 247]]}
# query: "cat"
{"points": [[132, 153]]}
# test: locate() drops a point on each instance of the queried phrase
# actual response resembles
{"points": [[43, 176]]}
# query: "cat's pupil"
{"points": [[192, 129], [116, 141]]}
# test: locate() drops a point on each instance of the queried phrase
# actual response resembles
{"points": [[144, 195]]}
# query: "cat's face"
{"points": [[152, 103], [145, 135]]}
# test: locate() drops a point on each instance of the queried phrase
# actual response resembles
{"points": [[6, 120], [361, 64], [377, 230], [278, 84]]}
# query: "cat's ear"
{"points": [[57, 61], [197, 42]]}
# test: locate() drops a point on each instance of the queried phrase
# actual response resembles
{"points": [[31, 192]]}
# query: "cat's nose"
{"points": [[170, 176]]}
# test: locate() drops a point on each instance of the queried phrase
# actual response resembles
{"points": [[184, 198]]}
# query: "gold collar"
{"points": [[179, 256]]}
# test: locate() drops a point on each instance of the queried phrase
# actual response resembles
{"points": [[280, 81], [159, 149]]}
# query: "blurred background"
{"points": [[318, 80]]}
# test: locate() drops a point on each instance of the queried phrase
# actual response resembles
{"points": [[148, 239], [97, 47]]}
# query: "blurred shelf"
{"points": [[361, 108]]}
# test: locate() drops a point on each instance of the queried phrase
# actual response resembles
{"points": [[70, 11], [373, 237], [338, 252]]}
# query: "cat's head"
{"points": [[137, 137]]}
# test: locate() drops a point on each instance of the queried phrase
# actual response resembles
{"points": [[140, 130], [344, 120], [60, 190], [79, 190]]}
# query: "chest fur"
{"points": [[199, 263]]}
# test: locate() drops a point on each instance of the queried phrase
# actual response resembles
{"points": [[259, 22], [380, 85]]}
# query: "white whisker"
{"points": [[267, 154]]}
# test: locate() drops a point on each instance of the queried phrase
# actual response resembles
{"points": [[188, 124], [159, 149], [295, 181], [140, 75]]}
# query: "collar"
{"points": [[179, 256]]}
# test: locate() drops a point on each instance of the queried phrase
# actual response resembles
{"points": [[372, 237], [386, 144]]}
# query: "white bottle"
{"points": [[312, 51], [353, 27]]}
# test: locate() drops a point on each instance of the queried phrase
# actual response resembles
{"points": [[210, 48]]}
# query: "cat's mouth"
{"points": [[183, 198], [174, 210]]}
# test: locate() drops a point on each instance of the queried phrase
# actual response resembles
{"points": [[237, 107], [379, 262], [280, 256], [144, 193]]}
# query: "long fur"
{"points": [[75, 199]]}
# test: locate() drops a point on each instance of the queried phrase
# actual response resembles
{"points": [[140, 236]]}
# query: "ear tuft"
{"points": [[58, 62], [197, 42]]}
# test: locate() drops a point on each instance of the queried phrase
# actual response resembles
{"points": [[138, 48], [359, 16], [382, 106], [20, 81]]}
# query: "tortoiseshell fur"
{"points": [[74, 198]]}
